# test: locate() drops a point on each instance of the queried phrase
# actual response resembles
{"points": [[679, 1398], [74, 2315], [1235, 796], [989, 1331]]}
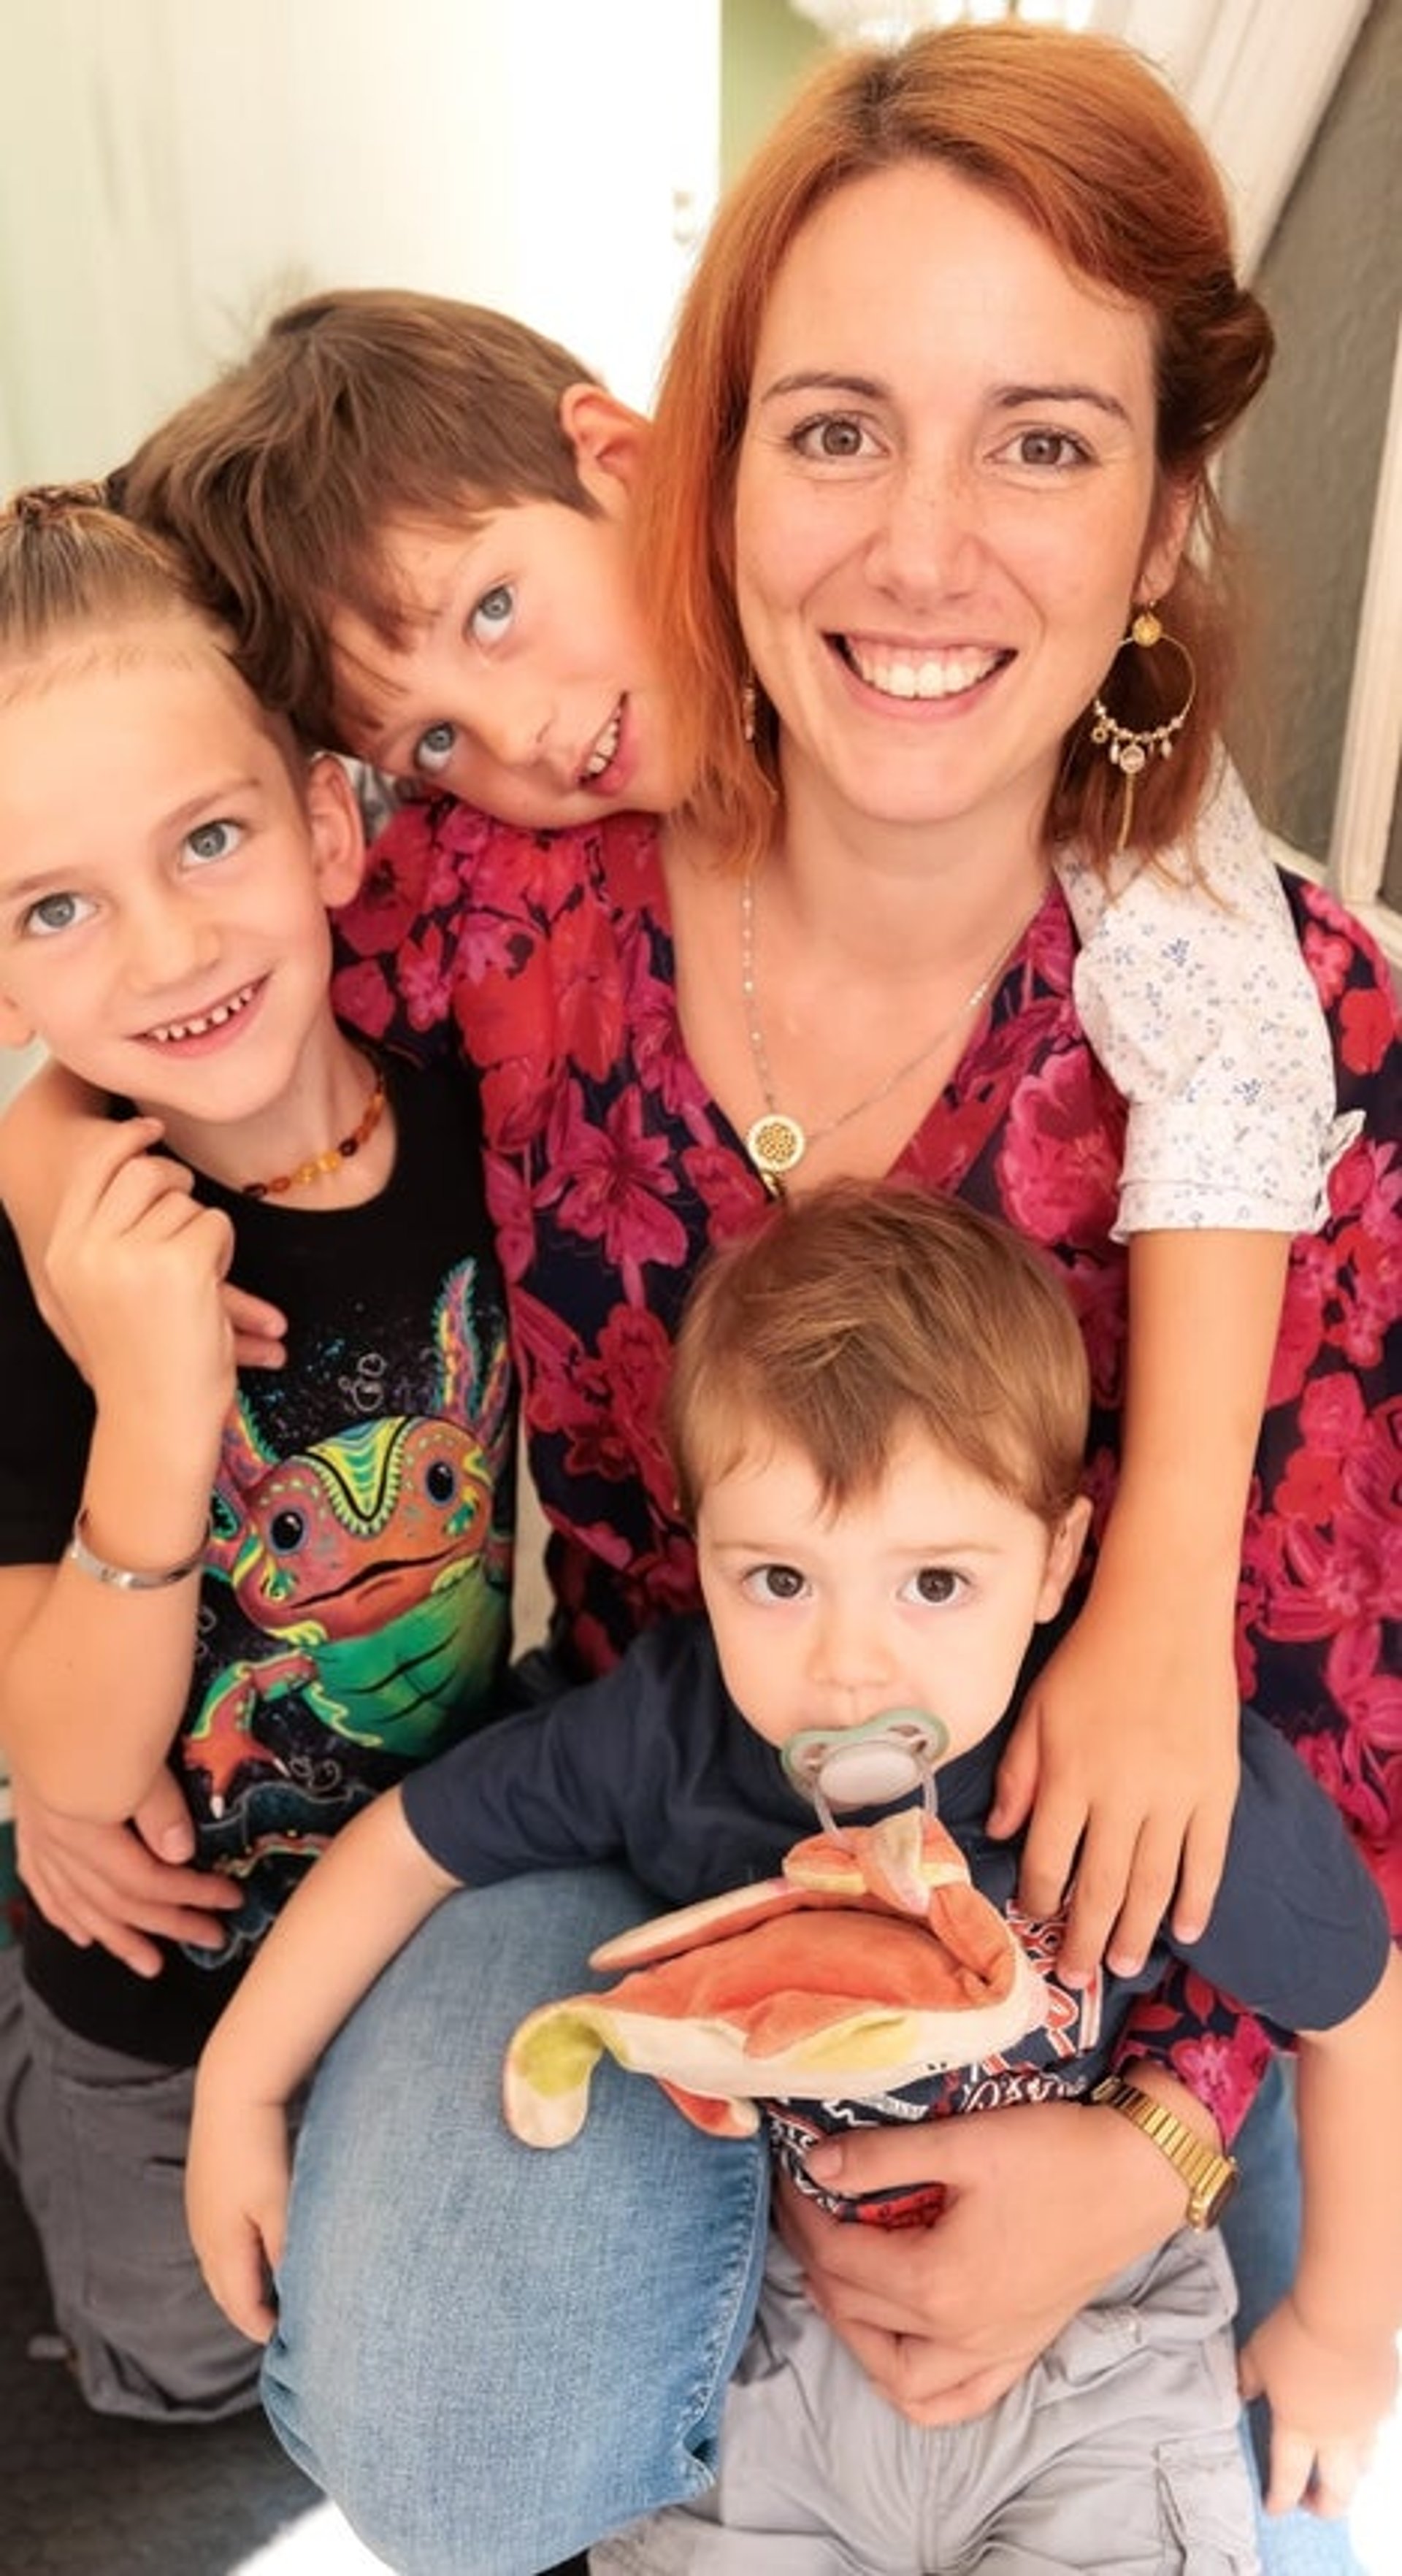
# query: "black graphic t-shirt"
{"points": [[355, 1611]]}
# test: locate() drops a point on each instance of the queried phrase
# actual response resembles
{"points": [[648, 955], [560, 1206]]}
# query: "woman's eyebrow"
{"points": [[822, 380], [1012, 397], [1007, 397]]}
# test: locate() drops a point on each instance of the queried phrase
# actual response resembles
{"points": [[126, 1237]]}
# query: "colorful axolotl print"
{"points": [[375, 1563]]}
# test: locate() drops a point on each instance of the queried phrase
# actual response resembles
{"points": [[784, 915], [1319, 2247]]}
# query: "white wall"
{"points": [[172, 170]]}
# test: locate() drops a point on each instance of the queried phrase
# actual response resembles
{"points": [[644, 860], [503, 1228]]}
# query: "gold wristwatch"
{"points": [[1210, 2176]]}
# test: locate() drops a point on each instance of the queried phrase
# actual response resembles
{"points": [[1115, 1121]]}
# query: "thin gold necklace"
{"points": [[776, 1142], [320, 1166]]}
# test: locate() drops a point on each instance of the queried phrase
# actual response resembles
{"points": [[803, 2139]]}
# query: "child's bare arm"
{"points": [[358, 1906], [1128, 1740], [1326, 2358], [94, 1671], [41, 1130], [49, 1126]]}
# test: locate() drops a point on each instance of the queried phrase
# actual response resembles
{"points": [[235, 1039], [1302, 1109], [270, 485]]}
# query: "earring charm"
{"points": [[749, 707], [1130, 748]]}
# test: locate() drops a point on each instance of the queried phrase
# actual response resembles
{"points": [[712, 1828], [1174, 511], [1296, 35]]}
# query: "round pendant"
{"points": [[776, 1145]]}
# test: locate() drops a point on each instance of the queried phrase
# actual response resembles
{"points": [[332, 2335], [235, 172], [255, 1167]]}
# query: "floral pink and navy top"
{"points": [[548, 960]]}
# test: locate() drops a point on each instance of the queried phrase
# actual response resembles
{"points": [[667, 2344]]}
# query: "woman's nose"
{"points": [[927, 540]]}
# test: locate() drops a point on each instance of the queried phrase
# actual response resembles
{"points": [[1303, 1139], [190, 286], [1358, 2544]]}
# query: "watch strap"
{"points": [[1210, 2176]]}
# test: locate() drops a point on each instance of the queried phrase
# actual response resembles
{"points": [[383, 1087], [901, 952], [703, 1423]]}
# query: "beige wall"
{"points": [[1303, 477], [766, 48]]}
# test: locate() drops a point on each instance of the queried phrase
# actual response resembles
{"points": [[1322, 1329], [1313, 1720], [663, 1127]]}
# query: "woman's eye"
{"points": [[775, 1583], [434, 748], [936, 1584], [217, 840], [55, 912], [493, 613], [834, 435], [1053, 447]]}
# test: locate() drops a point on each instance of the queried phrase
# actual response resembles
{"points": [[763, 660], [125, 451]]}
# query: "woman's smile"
{"points": [[944, 501]]}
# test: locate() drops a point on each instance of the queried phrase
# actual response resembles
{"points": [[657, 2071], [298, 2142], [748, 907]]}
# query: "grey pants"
{"points": [[1119, 2451], [96, 2142]]}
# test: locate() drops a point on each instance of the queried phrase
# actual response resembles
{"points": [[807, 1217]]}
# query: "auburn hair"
{"points": [[1077, 135], [864, 1311]]}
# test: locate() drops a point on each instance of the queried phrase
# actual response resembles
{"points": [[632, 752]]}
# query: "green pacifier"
{"points": [[868, 1766]]}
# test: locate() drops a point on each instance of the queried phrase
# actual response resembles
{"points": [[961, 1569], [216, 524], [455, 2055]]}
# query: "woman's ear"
{"points": [[1063, 1556], [608, 439], [337, 832], [1173, 517]]}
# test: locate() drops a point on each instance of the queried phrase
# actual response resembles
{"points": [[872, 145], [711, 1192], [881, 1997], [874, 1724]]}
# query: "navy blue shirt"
{"points": [[654, 1765]]}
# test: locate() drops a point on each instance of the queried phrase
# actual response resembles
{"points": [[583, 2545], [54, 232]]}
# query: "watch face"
{"points": [[1208, 2204]]}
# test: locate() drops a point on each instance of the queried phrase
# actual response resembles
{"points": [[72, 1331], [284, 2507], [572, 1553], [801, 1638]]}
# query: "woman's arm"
{"points": [[1046, 2201], [1326, 2358], [367, 1894], [1194, 992], [1126, 1750]]}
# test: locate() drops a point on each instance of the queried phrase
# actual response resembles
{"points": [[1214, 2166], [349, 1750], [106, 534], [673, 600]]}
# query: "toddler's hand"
{"points": [[1326, 2407], [236, 2186]]}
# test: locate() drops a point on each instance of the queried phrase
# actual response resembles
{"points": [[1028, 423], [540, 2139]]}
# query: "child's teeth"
{"points": [[605, 747], [200, 1027]]}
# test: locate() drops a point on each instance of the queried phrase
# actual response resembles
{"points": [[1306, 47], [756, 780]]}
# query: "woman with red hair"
{"points": [[938, 571]]}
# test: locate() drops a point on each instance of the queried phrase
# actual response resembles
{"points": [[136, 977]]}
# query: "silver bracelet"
{"points": [[125, 1578]]}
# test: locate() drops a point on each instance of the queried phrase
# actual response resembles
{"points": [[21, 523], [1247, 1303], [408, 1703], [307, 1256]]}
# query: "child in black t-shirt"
{"points": [[287, 1584]]}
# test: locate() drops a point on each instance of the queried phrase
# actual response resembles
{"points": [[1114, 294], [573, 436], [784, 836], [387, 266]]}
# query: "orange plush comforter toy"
{"points": [[871, 1962]]}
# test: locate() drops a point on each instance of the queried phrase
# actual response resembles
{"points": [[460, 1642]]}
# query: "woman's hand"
{"points": [[1046, 2202], [125, 1887], [1326, 2406], [1125, 1756]]}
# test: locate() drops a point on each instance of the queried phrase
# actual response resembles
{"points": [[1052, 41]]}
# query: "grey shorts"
{"points": [[96, 2142], [1120, 2451]]}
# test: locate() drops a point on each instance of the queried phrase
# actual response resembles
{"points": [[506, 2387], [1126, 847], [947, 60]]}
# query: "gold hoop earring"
{"points": [[749, 707], [1127, 749]]}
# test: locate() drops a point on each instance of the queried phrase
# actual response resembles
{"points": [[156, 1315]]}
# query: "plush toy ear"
{"points": [[545, 2081], [553, 2054]]}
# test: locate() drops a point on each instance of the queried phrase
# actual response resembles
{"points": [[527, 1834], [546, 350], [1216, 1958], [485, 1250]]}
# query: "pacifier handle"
{"points": [[868, 1766]]}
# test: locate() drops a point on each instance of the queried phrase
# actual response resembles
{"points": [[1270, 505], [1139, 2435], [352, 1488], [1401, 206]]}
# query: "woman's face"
{"points": [[944, 503]]}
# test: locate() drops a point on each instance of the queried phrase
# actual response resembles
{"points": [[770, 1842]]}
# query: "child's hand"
{"points": [[1326, 2404], [119, 1885], [259, 1329], [236, 2186], [136, 1265], [1127, 1744]]}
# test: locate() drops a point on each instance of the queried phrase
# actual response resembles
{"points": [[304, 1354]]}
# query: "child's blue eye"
{"points": [[493, 613], [216, 840], [775, 1583], [54, 912], [434, 749]]}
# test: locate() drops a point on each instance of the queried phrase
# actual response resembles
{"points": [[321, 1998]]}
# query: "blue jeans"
{"points": [[491, 2357], [487, 2355]]}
